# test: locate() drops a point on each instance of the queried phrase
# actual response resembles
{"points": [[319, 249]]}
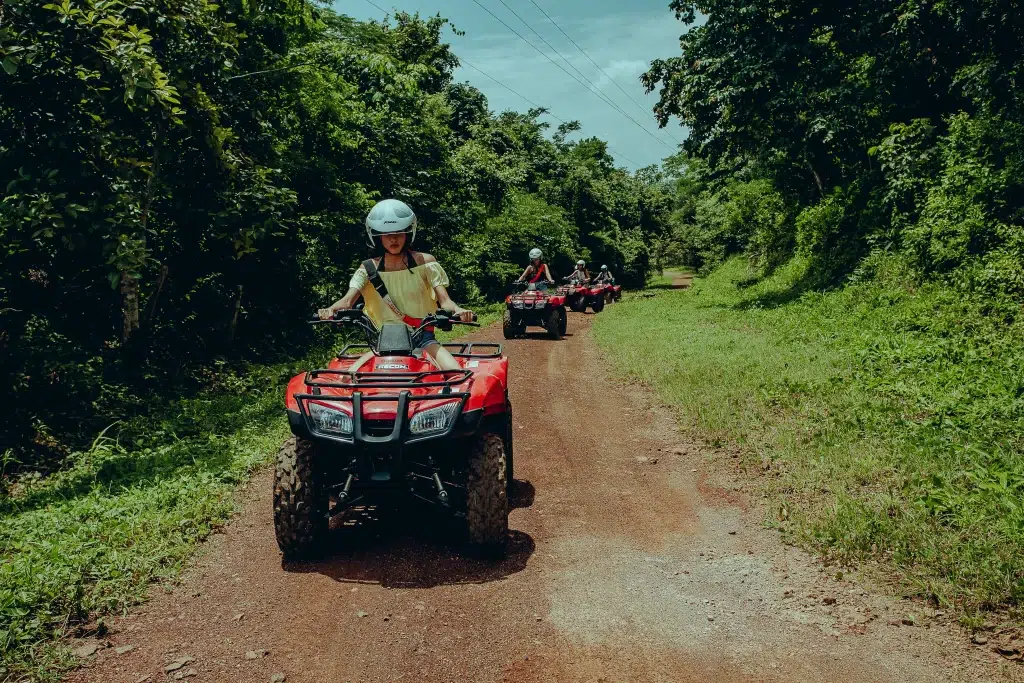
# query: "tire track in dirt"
{"points": [[624, 565]]}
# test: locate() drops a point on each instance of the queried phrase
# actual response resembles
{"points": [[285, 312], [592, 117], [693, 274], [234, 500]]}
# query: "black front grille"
{"points": [[378, 427]]}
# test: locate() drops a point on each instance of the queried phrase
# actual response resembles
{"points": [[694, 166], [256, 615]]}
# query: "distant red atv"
{"points": [[396, 425], [535, 305], [580, 295], [609, 291]]}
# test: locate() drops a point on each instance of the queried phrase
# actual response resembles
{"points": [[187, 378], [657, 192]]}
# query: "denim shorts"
{"points": [[427, 339]]}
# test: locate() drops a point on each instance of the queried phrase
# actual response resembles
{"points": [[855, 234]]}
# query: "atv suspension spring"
{"points": [[442, 494], [345, 491]]}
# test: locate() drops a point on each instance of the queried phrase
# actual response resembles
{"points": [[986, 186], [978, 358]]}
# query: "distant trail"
{"points": [[634, 558], [680, 280]]}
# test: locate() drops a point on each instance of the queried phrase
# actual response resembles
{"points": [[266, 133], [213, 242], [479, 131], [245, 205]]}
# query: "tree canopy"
{"points": [[859, 128], [186, 181]]}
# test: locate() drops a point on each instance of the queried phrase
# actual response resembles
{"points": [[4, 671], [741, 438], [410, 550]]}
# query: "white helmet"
{"points": [[581, 263], [604, 267], [390, 217], [536, 253]]}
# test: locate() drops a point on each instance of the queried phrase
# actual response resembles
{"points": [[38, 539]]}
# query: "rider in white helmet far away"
{"points": [[605, 276], [580, 274], [537, 272], [415, 282]]}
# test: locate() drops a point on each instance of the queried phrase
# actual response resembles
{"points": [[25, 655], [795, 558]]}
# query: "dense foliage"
{"points": [[877, 146], [841, 129], [185, 181]]}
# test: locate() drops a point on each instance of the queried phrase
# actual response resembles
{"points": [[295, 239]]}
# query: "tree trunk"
{"points": [[129, 305], [130, 284], [817, 178], [160, 281], [238, 310]]}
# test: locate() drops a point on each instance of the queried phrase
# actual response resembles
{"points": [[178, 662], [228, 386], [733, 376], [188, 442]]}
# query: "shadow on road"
{"points": [[541, 336], [417, 546]]}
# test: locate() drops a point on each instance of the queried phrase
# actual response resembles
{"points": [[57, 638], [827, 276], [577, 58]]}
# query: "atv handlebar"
{"points": [[357, 317]]}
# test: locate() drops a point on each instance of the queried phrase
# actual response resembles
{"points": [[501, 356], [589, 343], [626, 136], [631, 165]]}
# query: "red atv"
{"points": [[609, 291], [390, 422], [533, 304], [580, 295]]}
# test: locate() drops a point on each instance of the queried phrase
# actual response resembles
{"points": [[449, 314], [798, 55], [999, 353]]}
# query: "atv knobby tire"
{"points": [[597, 304], [553, 323], [487, 495], [300, 508], [563, 324], [509, 326], [579, 305]]}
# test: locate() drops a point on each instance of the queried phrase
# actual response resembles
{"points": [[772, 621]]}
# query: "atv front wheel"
{"points": [[563, 324], [300, 508], [510, 326], [597, 304], [487, 495], [553, 323], [579, 305]]}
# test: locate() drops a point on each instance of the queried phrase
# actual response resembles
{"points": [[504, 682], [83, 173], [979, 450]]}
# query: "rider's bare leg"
{"points": [[441, 357]]}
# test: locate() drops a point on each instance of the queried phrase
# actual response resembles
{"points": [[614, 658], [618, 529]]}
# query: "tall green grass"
{"points": [[88, 540], [889, 415]]}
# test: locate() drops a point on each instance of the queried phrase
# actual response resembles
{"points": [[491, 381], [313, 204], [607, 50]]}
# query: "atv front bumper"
{"points": [[382, 432]]}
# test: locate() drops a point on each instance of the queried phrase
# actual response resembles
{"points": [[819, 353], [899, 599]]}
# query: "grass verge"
{"points": [[888, 416], [89, 540]]}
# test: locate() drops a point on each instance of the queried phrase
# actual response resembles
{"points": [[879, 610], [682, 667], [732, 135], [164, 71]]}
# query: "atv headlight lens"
{"points": [[517, 304], [330, 420], [434, 420]]}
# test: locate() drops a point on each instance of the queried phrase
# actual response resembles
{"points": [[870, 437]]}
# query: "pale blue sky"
{"points": [[622, 36]]}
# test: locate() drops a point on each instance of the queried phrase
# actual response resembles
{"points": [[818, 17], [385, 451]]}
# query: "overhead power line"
{"points": [[537, 106], [383, 11], [593, 87], [606, 74], [516, 93], [597, 93]]}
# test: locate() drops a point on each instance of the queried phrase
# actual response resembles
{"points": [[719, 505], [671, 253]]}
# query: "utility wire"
{"points": [[607, 75], [537, 106], [268, 71], [383, 11], [548, 57], [518, 94], [593, 86]]}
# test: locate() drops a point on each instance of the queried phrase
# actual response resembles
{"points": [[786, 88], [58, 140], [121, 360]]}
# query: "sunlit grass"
{"points": [[889, 416]]}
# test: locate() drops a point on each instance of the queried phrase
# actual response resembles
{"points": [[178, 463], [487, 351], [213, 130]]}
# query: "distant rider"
{"points": [[537, 273], [605, 276], [414, 281], [580, 274]]}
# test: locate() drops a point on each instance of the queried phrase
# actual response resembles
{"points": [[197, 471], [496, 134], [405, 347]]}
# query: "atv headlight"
{"points": [[517, 304], [434, 420], [330, 420]]}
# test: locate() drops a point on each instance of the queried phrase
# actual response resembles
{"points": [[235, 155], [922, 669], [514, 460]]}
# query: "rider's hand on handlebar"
{"points": [[462, 314], [325, 313]]}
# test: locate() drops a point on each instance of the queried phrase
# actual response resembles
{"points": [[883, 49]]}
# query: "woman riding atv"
{"points": [[537, 273], [580, 274], [400, 285], [605, 276]]}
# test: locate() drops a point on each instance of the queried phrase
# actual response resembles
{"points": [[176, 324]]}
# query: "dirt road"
{"points": [[633, 558]]}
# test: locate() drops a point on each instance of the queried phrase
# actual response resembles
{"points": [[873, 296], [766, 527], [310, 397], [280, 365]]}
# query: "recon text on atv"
{"points": [[382, 420]]}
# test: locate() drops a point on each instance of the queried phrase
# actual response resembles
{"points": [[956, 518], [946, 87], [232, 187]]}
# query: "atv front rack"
{"points": [[387, 380]]}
